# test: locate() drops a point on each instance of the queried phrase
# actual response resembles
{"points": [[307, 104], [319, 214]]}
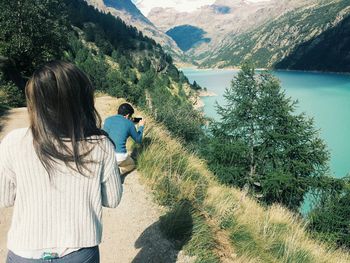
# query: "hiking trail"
{"points": [[131, 231]]}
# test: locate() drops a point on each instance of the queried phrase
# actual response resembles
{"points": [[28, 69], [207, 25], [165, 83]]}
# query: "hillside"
{"points": [[124, 63], [275, 40], [129, 13], [118, 58], [216, 223], [329, 51], [219, 22]]}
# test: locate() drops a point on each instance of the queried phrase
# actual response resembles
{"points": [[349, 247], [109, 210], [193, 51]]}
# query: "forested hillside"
{"points": [[119, 59], [275, 40], [329, 51], [131, 15]]}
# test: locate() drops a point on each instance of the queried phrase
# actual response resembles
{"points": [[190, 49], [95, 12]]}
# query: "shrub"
{"points": [[10, 95], [330, 218]]}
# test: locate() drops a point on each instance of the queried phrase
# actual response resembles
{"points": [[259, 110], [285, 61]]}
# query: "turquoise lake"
{"points": [[324, 97]]}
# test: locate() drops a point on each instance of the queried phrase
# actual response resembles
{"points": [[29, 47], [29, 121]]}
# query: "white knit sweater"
{"points": [[64, 212]]}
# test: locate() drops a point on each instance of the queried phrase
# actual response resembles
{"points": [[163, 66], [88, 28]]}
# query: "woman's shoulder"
{"points": [[16, 134], [103, 141], [15, 139]]}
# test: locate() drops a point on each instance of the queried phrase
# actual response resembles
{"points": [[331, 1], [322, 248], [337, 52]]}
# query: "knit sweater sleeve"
{"points": [[7, 176], [111, 182]]}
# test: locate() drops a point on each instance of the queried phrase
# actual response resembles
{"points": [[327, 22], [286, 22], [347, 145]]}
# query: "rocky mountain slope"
{"points": [[221, 21], [329, 51], [130, 14], [277, 39]]}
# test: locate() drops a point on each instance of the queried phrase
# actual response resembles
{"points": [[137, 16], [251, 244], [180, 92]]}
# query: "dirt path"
{"points": [[131, 231]]}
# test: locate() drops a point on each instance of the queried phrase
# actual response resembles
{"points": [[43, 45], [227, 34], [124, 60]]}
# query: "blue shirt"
{"points": [[119, 129]]}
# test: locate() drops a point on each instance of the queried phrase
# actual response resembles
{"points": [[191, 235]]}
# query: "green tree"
{"points": [[10, 95], [147, 80], [89, 33], [330, 217], [195, 86], [96, 68], [261, 143], [177, 114], [182, 78], [144, 65], [32, 31]]}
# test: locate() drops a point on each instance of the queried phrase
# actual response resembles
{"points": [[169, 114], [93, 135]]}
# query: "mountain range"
{"points": [[272, 42], [220, 21], [271, 33]]}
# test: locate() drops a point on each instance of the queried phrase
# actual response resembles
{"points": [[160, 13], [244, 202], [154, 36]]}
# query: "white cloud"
{"points": [[180, 5]]}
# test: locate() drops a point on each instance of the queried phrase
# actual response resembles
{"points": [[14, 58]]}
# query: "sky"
{"points": [[180, 5]]}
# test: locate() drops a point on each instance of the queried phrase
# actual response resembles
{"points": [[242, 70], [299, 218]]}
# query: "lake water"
{"points": [[325, 97]]}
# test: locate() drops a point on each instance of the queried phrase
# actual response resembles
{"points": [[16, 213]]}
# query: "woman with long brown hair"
{"points": [[59, 172]]}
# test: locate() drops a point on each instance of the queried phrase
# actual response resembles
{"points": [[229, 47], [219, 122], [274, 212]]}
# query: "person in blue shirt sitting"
{"points": [[120, 127]]}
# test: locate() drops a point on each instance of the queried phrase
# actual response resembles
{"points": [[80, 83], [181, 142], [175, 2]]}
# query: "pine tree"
{"points": [[262, 144], [239, 120]]}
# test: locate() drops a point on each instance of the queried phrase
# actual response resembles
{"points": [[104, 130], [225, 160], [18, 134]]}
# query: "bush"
{"points": [[330, 218], [10, 95], [179, 118]]}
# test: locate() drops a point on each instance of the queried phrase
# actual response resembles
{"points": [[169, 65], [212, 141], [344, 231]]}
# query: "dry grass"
{"points": [[270, 234], [228, 225]]}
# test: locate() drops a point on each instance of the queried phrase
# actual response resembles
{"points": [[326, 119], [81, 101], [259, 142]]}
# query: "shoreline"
{"points": [[198, 103], [206, 93], [311, 71], [269, 69]]}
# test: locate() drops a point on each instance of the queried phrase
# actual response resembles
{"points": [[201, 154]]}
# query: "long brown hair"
{"points": [[60, 100]]}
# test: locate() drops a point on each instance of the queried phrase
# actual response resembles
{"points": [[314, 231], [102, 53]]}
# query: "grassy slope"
{"points": [[217, 223]]}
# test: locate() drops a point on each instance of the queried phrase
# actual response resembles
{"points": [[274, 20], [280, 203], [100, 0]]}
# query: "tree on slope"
{"points": [[262, 144], [330, 217], [31, 32]]}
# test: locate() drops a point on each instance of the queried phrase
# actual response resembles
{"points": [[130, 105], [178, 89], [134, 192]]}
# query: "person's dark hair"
{"points": [[125, 109], [60, 100]]}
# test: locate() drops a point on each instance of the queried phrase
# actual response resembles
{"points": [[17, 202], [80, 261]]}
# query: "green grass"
{"points": [[243, 240], [167, 191], [215, 223], [177, 224], [202, 243]]}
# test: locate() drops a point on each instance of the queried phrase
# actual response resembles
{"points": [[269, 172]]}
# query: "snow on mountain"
{"points": [[179, 5]]}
